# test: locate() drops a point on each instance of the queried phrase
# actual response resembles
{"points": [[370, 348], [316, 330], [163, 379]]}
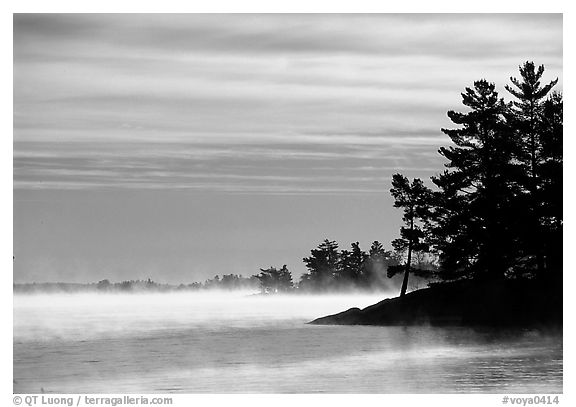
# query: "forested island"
{"points": [[492, 223]]}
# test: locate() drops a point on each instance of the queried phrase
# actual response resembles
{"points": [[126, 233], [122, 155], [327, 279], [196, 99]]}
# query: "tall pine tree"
{"points": [[537, 129], [471, 228]]}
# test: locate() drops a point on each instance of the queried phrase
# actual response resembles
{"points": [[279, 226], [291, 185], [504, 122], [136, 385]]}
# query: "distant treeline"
{"points": [[329, 270], [226, 282]]}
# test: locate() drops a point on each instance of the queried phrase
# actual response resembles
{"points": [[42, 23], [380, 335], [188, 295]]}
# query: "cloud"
{"points": [[448, 35], [256, 102], [290, 167]]}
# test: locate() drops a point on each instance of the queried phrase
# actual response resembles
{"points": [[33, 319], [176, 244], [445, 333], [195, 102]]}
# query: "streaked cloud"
{"points": [[301, 167], [249, 102]]}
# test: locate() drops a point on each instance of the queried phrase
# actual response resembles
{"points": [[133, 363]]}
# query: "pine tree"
{"points": [[414, 198], [273, 280], [551, 128], [376, 265], [284, 279], [527, 113], [323, 265], [470, 220], [535, 134], [352, 266], [551, 186]]}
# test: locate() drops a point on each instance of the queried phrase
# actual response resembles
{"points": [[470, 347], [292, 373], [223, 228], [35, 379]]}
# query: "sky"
{"points": [[178, 147]]}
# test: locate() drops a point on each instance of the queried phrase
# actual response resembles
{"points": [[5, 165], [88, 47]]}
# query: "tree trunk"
{"points": [[409, 260], [534, 189], [407, 272]]}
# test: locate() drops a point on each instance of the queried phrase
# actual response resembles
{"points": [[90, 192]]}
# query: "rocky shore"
{"points": [[503, 303]]}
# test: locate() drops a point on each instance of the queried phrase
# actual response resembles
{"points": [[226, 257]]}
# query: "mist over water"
{"points": [[45, 317], [224, 342]]}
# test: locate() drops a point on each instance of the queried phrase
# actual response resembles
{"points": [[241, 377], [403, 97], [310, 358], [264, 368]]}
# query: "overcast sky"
{"points": [[178, 147]]}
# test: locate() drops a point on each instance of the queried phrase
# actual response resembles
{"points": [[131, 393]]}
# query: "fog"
{"points": [[221, 342], [93, 315]]}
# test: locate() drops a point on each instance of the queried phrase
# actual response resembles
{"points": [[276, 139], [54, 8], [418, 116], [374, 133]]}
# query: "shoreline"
{"points": [[504, 303]]}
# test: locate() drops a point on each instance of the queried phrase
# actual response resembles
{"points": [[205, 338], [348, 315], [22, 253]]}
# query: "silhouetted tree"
{"points": [[285, 279], [474, 225], [536, 123], [323, 266], [414, 198], [376, 265], [273, 280], [526, 117], [551, 189], [352, 266]]}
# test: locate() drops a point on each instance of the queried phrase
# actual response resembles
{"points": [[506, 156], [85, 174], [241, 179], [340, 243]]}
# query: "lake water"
{"points": [[231, 342]]}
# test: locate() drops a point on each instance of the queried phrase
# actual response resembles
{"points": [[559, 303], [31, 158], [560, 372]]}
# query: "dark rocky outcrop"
{"points": [[505, 303]]}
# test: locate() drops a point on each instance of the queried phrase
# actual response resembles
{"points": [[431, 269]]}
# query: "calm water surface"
{"points": [[225, 343]]}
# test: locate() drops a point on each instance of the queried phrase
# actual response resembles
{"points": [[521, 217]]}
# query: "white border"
{"points": [[301, 6]]}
